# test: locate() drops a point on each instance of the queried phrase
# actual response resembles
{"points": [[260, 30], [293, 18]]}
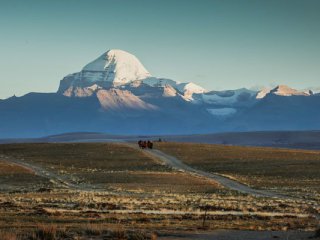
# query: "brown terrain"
{"points": [[118, 191]]}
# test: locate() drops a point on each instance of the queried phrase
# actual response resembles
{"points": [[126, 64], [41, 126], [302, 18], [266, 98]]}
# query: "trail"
{"points": [[39, 171], [156, 154], [63, 181], [224, 181]]}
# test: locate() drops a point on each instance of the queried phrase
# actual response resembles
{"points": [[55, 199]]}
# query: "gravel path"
{"points": [[39, 171], [224, 181]]}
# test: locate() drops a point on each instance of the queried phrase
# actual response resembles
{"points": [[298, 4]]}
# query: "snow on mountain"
{"points": [[169, 91], [222, 112], [119, 80], [116, 94], [113, 68], [228, 97], [119, 69], [159, 82], [188, 89], [261, 94], [283, 90], [116, 66]]}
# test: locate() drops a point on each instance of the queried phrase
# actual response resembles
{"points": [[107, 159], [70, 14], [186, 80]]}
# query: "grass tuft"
{"points": [[93, 229]]}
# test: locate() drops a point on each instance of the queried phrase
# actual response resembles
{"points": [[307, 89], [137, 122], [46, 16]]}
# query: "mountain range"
{"points": [[117, 95]]}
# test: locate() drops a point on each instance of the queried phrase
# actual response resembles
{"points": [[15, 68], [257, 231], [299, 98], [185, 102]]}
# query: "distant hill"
{"points": [[280, 139]]}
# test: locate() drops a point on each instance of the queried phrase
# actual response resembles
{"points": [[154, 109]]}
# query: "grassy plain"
{"points": [[107, 166], [17, 178], [118, 192], [284, 170]]}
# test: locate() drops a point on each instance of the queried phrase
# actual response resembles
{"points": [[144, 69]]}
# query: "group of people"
{"points": [[145, 144]]}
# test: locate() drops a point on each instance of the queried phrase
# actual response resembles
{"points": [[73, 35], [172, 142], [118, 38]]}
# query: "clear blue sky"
{"points": [[219, 44]]}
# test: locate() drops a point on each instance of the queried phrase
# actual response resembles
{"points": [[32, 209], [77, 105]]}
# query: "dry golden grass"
{"points": [[169, 182], [8, 235], [8, 168], [286, 169], [74, 213], [14, 177], [107, 166], [145, 196], [73, 157]]}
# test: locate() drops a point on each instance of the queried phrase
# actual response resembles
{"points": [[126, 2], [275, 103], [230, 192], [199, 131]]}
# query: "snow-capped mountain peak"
{"points": [[262, 93], [116, 66], [188, 89], [191, 87], [113, 68], [118, 77], [283, 90], [117, 69]]}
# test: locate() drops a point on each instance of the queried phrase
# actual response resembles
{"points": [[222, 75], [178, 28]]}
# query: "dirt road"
{"points": [[37, 170], [224, 181], [156, 154]]}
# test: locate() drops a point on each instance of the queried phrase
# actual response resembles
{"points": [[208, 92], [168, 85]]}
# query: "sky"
{"points": [[218, 44]]}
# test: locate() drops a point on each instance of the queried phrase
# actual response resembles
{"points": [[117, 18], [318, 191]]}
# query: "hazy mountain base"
{"points": [[280, 139], [38, 115]]}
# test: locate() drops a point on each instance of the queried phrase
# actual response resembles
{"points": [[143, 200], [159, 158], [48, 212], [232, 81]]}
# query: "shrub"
{"points": [[93, 230], [46, 232], [138, 235], [119, 234], [154, 236]]}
